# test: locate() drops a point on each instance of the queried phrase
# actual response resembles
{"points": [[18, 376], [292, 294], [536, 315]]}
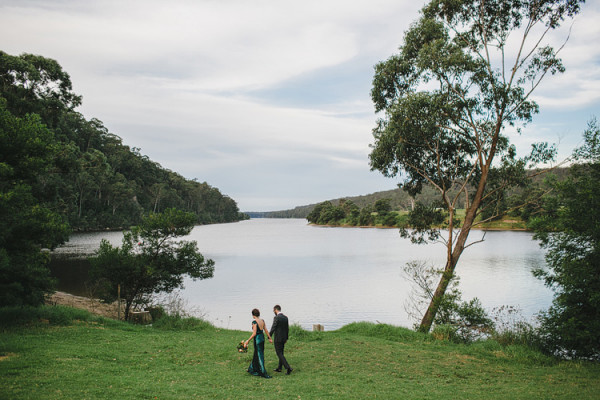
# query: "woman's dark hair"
{"points": [[255, 312]]}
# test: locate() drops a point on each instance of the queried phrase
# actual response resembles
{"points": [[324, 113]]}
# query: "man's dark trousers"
{"points": [[279, 347], [280, 331]]}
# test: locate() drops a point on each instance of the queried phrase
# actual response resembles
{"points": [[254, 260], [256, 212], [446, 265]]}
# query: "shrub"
{"points": [[383, 331], [297, 332], [177, 322], [447, 332], [511, 328]]}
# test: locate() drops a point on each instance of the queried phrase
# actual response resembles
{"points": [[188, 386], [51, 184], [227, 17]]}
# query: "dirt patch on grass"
{"points": [[6, 356], [94, 306]]}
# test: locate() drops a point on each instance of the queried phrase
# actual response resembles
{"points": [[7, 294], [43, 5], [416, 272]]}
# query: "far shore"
{"points": [[477, 228]]}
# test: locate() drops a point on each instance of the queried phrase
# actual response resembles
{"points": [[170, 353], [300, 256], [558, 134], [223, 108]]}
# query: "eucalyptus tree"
{"points": [[462, 80]]}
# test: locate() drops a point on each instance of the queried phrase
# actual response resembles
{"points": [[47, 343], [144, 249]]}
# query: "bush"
{"points": [[177, 322], [384, 331], [297, 332], [156, 312], [448, 333], [512, 329]]}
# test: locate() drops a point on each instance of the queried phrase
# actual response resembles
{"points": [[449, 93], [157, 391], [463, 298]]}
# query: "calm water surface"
{"points": [[334, 276]]}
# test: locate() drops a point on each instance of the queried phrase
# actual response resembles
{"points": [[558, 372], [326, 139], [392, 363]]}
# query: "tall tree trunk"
{"points": [[455, 253], [448, 274], [156, 200], [80, 205]]}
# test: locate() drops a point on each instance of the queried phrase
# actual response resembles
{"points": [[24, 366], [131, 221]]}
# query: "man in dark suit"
{"points": [[279, 330]]}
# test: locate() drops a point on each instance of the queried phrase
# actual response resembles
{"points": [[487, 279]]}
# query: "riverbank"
{"points": [[504, 224], [94, 358], [94, 306]]}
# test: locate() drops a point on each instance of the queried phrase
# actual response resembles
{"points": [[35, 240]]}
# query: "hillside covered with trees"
{"points": [[92, 179]]}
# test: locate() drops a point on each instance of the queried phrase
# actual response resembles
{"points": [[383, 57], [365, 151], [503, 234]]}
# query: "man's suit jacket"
{"points": [[280, 328]]}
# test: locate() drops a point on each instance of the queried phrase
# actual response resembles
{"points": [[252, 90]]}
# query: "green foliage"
{"points": [[458, 320], [510, 329], [570, 232], [26, 151], [299, 333], [150, 260], [180, 323], [468, 318], [347, 213], [425, 222], [34, 84], [384, 331]]}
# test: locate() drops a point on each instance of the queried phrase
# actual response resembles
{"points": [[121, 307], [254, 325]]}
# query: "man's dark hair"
{"points": [[277, 307], [255, 312]]}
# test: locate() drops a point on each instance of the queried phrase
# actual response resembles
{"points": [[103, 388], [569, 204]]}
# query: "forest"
{"points": [[90, 178]]}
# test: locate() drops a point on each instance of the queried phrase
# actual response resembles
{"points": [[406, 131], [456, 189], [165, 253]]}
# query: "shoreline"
{"points": [[94, 306], [396, 227]]}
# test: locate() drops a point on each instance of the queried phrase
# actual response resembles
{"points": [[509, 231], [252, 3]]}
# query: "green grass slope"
{"points": [[62, 353]]}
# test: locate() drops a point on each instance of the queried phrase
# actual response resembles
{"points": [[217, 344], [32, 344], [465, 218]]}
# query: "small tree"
{"points": [[466, 320], [465, 72], [150, 260], [570, 231]]}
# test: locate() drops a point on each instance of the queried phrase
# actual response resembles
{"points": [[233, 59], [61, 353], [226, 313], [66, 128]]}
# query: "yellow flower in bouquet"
{"points": [[242, 348]]}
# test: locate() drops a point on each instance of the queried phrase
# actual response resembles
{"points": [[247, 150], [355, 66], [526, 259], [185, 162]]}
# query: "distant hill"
{"points": [[400, 200]]}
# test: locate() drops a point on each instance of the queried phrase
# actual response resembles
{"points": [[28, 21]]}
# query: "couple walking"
{"points": [[279, 329]]}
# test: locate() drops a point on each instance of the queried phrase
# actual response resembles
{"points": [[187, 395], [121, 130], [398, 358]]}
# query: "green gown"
{"points": [[257, 367]]}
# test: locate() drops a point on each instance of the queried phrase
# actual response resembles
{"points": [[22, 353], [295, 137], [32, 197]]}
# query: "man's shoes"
{"points": [[289, 371], [277, 370]]}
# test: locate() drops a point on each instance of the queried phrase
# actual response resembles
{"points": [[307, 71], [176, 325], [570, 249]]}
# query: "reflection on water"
{"points": [[334, 276]]}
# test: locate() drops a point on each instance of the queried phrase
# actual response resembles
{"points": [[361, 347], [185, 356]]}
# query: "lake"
{"points": [[329, 276]]}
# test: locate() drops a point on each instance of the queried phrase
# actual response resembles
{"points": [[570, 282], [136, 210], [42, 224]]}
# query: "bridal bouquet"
{"points": [[241, 348]]}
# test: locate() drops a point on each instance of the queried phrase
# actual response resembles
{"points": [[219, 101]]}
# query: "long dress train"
{"points": [[257, 367]]}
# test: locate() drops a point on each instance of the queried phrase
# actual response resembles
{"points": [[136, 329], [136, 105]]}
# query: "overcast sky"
{"points": [[267, 100]]}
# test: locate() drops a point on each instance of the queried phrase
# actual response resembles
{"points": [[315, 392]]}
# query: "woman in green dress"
{"points": [[257, 367]]}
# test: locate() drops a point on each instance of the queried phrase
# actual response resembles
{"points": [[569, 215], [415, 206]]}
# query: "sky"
{"points": [[267, 100]]}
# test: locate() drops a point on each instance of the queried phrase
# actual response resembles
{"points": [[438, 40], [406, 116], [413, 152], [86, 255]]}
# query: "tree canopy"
{"points": [[464, 74]]}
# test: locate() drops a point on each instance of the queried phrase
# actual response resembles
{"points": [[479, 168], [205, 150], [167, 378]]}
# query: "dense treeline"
{"points": [[399, 200], [96, 181], [61, 172], [346, 212], [390, 207]]}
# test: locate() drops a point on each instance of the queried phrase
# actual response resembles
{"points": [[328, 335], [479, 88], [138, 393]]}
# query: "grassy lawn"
{"points": [[49, 357]]}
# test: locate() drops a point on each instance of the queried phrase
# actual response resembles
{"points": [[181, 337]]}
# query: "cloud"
{"points": [[266, 100]]}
